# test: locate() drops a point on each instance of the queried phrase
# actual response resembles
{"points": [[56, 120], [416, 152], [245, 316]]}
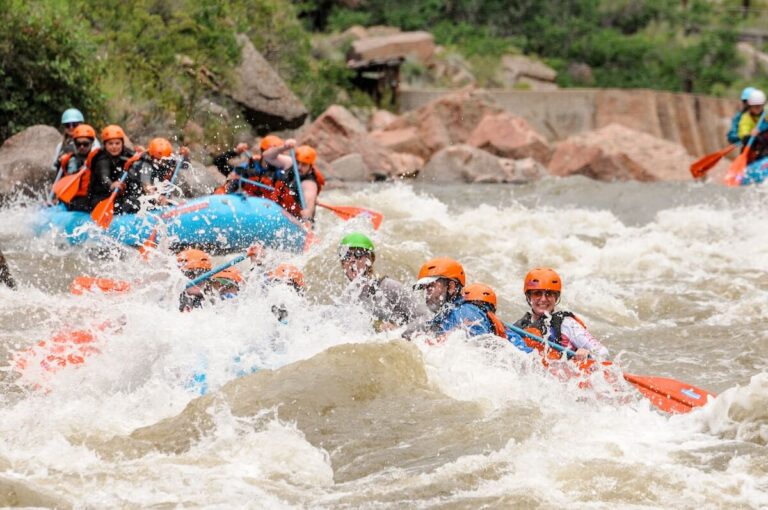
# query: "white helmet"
{"points": [[756, 98]]}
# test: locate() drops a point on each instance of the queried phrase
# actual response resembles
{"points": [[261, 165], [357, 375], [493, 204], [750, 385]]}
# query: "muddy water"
{"points": [[672, 278]]}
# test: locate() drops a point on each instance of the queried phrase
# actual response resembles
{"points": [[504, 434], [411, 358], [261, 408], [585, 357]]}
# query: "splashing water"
{"points": [[322, 412]]}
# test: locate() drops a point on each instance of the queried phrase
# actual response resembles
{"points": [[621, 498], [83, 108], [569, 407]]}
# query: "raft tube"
{"points": [[220, 223], [756, 172]]}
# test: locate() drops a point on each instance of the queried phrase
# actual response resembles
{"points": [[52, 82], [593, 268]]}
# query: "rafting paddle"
{"points": [[297, 177], [345, 212], [700, 167], [66, 187], [668, 395], [104, 211], [735, 171], [203, 277]]}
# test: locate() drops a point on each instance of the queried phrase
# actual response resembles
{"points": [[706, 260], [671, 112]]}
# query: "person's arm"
{"points": [[309, 189], [582, 339], [222, 161], [276, 158], [55, 164], [101, 168]]}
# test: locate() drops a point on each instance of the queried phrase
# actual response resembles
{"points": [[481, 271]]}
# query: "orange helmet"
{"points": [[542, 278], [287, 273], [232, 274], [112, 132], [160, 148], [84, 131], [270, 141], [306, 154], [192, 259], [440, 267], [480, 292]]}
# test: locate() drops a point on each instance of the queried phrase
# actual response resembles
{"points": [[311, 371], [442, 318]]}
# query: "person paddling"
{"points": [[70, 163], [107, 168], [298, 198], [542, 287], [155, 168], [733, 133], [484, 297], [283, 274], [750, 125], [194, 263], [386, 299], [255, 169], [443, 279], [70, 119]]}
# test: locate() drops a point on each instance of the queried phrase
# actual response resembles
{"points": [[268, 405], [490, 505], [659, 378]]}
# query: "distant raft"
{"points": [[220, 223], [756, 172]]}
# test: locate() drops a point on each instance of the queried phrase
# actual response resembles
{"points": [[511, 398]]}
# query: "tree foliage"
{"points": [[46, 66]]}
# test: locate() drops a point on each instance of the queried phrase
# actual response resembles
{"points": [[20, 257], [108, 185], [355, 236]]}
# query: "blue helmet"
{"points": [[72, 115], [746, 92]]}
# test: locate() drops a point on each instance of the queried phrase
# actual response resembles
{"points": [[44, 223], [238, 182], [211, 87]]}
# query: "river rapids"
{"points": [[672, 277]]}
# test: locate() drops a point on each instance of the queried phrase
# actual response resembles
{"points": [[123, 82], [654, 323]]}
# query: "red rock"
{"points": [[337, 133], [380, 119], [616, 152], [508, 136], [447, 120], [400, 140]]}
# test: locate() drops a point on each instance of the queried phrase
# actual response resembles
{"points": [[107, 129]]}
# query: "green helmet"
{"points": [[354, 240]]}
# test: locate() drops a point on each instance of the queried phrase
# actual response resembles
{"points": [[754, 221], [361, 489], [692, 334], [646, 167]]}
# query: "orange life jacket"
{"points": [[85, 179], [498, 326], [288, 198]]}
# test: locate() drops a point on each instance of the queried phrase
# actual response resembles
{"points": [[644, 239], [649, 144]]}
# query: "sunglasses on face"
{"points": [[71, 125], [353, 253], [83, 144], [536, 294]]}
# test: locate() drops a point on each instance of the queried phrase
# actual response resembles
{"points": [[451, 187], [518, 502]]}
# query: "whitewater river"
{"points": [[672, 278]]}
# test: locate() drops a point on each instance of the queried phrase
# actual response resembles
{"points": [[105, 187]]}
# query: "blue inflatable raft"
{"points": [[756, 172], [221, 223]]}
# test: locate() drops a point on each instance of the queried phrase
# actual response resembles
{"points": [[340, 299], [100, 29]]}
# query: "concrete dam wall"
{"points": [[698, 123]]}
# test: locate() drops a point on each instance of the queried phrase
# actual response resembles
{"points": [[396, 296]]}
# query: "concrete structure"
{"points": [[698, 123]]}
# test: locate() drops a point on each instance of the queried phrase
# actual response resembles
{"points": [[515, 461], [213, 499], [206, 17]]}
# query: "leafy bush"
{"points": [[47, 65]]}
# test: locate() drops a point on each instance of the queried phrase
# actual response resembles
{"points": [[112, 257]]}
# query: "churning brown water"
{"points": [[672, 278]]}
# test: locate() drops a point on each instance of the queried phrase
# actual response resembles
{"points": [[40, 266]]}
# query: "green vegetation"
{"points": [[155, 63]]}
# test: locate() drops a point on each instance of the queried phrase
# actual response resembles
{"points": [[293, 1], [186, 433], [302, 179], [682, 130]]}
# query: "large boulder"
{"points": [[616, 152], [508, 136], [517, 71], [418, 45], [25, 160], [350, 167], [268, 104], [337, 132], [448, 120], [380, 119], [464, 163]]}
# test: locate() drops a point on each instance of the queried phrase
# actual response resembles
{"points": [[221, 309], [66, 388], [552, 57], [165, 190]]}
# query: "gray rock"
{"points": [[350, 167], [25, 160], [268, 104]]}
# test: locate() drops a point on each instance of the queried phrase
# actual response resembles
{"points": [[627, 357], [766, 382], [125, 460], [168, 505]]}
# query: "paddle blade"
{"points": [[732, 178], [702, 166], [668, 394], [104, 211], [66, 187], [349, 212], [83, 284], [149, 245]]}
